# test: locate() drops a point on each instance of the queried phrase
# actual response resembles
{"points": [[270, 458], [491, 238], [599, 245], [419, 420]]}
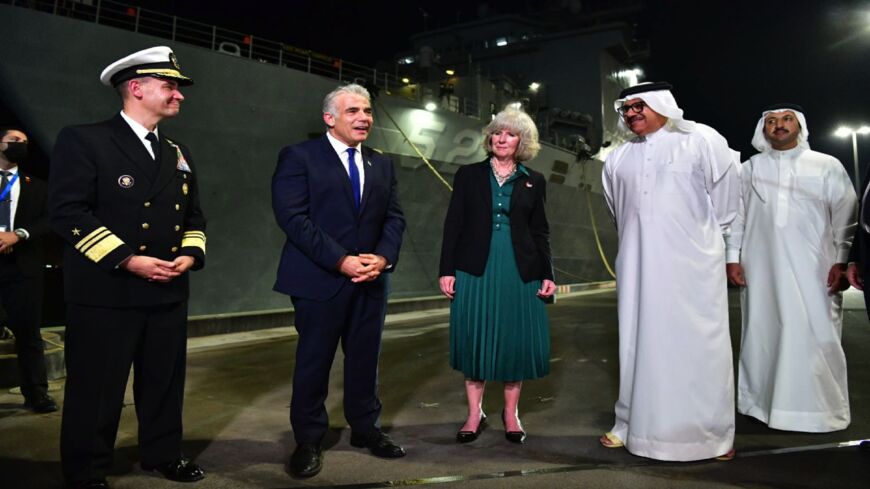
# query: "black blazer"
{"points": [[468, 225], [108, 199], [30, 215]]}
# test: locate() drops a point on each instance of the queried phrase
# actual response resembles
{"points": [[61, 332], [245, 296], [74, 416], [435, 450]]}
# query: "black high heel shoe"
{"points": [[513, 436], [470, 436]]}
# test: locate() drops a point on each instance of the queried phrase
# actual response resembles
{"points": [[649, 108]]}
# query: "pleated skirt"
{"points": [[498, 326]]}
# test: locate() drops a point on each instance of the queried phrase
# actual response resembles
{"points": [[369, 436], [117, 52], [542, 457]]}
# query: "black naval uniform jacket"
{"points": [[468, 224], [109, 199]]}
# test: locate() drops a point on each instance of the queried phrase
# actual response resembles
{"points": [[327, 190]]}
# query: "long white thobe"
{"points": [[796, 220], [672, 195]]}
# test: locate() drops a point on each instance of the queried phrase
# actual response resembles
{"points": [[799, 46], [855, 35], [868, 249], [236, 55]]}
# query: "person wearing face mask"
{"points": [[23, 229], [788, 250], [497, 267]]}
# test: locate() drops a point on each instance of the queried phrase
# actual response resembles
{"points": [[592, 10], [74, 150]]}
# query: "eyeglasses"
{"points": [[636, 107]]}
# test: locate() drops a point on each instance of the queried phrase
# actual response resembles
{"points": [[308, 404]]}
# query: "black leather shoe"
{"points": [[181, 470], [378, 443], [88, 484], [513, 436], [470, 436], [306, 461], [40, 403]]}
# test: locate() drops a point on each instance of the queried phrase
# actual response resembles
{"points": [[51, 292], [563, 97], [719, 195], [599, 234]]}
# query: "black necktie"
{"points": [[155, 145], [6, 203]]}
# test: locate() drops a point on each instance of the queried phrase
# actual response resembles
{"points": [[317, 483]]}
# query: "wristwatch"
{"points": [[22, 235]]}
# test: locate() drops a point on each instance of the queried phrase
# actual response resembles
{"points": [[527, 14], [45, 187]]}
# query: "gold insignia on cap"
{"points": [[160, 71], [174, 61]]}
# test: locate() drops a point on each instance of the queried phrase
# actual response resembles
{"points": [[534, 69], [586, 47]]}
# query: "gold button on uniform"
{"points": [[174, 249], [147, 204], [177, 227], [178, 207], [145, 225], [143, 248]]}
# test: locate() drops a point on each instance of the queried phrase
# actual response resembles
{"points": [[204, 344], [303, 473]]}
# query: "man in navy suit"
{"points": [[337, 203], [23, 230]]}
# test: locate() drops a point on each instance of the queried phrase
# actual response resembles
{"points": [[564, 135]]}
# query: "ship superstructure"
{"points": [[253, 97]]}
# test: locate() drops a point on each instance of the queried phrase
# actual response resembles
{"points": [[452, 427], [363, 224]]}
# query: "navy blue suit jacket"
{"points": [[313, 204]]}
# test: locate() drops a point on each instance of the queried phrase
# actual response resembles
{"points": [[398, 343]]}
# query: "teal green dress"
{"points": [[498, 325]]}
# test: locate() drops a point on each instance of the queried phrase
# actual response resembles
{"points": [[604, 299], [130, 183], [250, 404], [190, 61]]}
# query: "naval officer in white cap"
{"points": [[124, 198]]}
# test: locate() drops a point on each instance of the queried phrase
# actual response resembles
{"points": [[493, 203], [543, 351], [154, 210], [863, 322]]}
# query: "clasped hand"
{"points": [[364, 267], [155, 269]]}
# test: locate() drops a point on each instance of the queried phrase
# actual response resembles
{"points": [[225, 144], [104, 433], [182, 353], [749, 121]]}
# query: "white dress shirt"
{"points": [[341, 149], [13, 198], [141, 132]]}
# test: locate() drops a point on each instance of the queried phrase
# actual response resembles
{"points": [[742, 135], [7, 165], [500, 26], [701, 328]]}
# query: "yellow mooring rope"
{"points": [[438, 175], [597, 238], [414, 146]]}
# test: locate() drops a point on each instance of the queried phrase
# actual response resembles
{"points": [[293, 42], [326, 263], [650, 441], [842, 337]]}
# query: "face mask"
{"points": [[15, 152]]}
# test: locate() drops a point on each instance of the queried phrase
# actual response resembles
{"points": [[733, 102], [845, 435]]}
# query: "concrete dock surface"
{"points": [[237, 419]]}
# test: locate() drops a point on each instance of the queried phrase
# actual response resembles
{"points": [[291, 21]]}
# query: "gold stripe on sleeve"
{"points": [[92, 237], [103, 247], [195, 239]]}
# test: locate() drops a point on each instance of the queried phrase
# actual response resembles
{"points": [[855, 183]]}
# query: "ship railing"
{"points": [[226, 41]]}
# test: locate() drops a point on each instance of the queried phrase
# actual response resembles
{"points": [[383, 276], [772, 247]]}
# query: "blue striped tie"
{"points": [[354, 176]]}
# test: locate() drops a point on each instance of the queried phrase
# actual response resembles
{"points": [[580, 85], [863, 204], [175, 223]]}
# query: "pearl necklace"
{"points": [[499, 178]]}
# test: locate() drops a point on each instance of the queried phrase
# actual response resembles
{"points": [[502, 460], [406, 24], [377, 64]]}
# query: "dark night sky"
{"points": [[726, 59]]}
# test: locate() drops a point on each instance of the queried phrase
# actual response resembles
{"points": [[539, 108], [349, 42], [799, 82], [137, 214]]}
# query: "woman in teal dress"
{"points": [[497, 267]]}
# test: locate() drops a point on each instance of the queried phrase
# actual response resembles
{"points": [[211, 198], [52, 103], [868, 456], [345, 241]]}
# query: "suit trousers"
{"points": [[356, 320], [21, 297], [101, 345]]}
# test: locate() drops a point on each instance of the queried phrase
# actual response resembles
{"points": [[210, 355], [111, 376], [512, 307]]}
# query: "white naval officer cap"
{"points": [[157, 62]]}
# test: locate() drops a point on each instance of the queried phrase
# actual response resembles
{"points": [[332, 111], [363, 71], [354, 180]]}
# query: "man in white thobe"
{"points": [[672, 191], [788, 249]]}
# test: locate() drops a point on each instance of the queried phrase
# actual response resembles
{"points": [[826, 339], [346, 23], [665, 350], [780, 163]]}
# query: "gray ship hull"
{"points": [[239, 115]]}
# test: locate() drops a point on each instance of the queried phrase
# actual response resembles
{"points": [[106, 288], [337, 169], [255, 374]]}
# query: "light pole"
{"points": [[844, 131]]}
